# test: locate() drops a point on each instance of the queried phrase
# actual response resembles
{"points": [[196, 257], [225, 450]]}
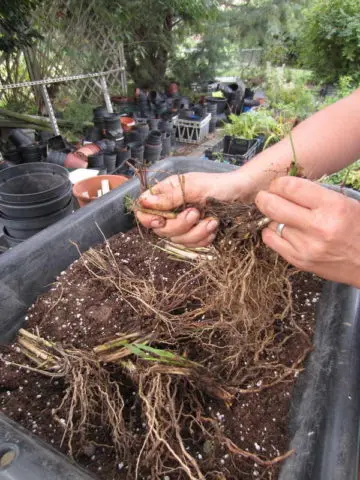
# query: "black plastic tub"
{"points": [[326, 406]]}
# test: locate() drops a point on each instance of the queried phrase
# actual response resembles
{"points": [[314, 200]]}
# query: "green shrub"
{"points": [[330, 40]]}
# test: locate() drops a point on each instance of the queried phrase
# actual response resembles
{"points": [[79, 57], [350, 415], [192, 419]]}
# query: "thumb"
{"points": [[165, 195]]}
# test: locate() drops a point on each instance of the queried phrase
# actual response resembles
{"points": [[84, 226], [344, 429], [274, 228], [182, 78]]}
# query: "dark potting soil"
{"points": [[77, 311]]}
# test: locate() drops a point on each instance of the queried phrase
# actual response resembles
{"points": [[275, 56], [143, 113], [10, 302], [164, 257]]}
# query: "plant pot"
{"points": [[57, 143], [92, 185], [33, 183], [56, 157], [101, 111], [9, 240], [133, 137], [127, 123], [122, 156], [21, 235], [237, 146], [154, 138], [212, 125], [137, 152], [96, 133], [219, 102], [86, 150], [165, 126], [113, 126], [153, 123], [96, 160], [152, 153], [74, 161], [17, 225], [15, 211], [12, 155], [165, 144], [106, 144], [19, 138], [110, 160], [30, 153], [142, 129]]}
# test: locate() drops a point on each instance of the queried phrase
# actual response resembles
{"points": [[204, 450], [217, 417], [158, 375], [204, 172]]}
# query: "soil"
{"points": [[79, 311]]}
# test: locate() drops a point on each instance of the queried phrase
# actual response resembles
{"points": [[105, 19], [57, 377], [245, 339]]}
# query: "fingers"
{"points": [[150, 221], [280, 245], [165, 195], [293, 236], [303, 192], [283, 211], [179, 225], [200, 235]]}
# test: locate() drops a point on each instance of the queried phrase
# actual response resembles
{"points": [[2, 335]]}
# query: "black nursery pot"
{"points": [[152, 153], [122, 155], [113, 125], [142, 130], [137, 152], [96, 160], [13, 156], [30, 153], [154, 138], [56, 157], [166, 144], [110, 160], [19, 138], [18, 211], [237, 146]]}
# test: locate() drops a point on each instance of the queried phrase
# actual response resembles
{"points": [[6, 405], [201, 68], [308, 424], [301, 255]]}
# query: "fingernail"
{"points": [[158, 223], [148, 196], [211, 237], [192, 216], [212, 225]]}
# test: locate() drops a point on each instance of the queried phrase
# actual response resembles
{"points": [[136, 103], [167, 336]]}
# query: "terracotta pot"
{"points": [[74, 161], [92, 185], [87, 150], [127, 123]]}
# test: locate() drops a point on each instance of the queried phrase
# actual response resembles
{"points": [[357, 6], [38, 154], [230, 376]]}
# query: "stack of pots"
{"points": [[123, 154], [212, 108], [32, 197], [99, 118], [166, 144], [96, 161], [110, 159], [113, 127], [29, 151], [153, 147], [137, 151], [142, 128], [167, 126]]}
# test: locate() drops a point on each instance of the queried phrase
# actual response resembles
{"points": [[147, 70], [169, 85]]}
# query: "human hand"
{"points": [[187, 228], [322, 228]]}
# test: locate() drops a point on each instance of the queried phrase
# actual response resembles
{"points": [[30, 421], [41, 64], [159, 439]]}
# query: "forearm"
{"points": [[324, 143]]}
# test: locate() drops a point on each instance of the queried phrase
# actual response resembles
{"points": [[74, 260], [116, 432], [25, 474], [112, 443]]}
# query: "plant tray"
{"points": [[190, 131], [217, 153]]}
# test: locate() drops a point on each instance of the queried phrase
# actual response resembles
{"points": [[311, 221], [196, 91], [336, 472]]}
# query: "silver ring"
{"points": [[280, 228]]}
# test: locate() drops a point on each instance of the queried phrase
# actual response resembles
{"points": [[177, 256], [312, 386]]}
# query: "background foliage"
{"points": [[330, 41]]}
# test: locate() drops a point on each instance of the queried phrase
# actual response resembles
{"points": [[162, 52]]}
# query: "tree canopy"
{"points": [[15, 30]]}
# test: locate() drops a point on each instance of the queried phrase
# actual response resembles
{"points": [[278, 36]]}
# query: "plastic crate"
{"points": [[217, 153], [191, 131]]}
